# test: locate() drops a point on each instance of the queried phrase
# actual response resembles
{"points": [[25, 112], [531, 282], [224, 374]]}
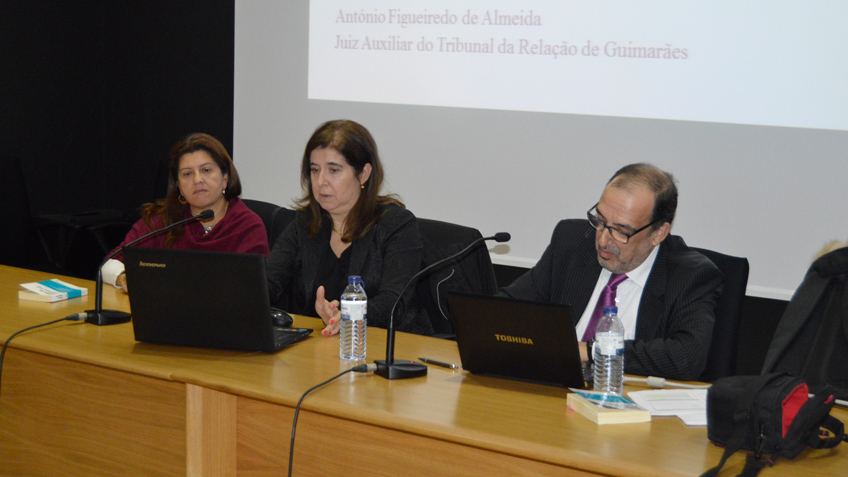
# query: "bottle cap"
{"points": [[610, 310]]}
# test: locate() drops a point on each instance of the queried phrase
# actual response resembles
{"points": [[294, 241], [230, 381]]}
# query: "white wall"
{"points": [[772, 194]]}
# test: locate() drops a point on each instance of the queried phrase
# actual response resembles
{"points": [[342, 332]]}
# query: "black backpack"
{"points": [[770, 415], [811, 340]]}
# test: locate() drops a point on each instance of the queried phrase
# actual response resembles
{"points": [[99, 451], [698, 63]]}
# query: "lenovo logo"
{"points": [[151, 264]]}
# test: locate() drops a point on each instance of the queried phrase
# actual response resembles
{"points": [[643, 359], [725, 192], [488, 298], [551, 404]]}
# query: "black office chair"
{"points": [[76, 243], [470, 273], [721, 360], [275, 217]]}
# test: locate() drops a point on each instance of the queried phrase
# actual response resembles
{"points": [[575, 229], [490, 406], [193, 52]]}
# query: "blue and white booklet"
{"points": [[50, 291], [605, 408]]}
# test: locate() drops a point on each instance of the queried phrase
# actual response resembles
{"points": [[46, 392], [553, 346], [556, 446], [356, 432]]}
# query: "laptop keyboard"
{"points": [[286, 336]]}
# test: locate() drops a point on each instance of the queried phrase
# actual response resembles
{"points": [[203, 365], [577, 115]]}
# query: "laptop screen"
{"points": [[516, 339]]}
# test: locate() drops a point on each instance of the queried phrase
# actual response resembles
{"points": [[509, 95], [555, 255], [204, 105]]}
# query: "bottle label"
{"points": [[354, 310], [609, 345]]}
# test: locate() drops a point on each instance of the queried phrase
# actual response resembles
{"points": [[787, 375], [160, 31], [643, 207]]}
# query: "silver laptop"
{"points": [[516, 339], [205, 299]]}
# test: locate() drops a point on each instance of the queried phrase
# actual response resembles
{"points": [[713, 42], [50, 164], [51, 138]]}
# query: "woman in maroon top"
{"points": [[201, 176]]}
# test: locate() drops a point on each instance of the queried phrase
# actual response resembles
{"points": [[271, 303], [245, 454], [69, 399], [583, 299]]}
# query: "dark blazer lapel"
{"points": [[652, 306], [584, 276], [312, 258], [359, 252]]}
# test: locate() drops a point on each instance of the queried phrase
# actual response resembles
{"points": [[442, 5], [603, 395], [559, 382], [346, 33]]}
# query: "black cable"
{"points": [[74, 317], [362, 368]]}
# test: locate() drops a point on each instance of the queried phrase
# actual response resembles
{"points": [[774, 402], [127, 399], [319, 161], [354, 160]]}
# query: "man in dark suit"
{"points": [[668, 293]]}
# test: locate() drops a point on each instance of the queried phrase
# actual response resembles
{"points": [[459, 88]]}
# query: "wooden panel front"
{"points": [[211, 429], [326, 445], [61, 417]]}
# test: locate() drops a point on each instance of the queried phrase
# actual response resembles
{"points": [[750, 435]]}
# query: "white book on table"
{"points": [[50, 291]]}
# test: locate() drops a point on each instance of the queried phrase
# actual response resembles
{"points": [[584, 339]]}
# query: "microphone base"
{"points": [[400, 369], [107, 317]]}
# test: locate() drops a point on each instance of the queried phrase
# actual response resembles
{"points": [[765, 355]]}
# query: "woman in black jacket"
{"points": [[345, 227]]}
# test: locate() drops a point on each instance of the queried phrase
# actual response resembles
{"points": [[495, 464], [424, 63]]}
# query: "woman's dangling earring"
{"points": [[183, 200]]}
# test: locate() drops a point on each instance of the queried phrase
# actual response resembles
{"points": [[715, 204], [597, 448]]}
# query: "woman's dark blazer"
{"points": [[386, 259]]}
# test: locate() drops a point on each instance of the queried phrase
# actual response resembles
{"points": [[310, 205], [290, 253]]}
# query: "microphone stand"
{"points": [[390, 369], [98, 316]]}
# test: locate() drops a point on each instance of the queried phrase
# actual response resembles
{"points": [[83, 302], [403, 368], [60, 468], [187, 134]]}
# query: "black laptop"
{"points": [[205, 299], [516, 339]]}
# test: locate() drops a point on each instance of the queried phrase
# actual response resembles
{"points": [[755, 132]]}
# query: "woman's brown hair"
{"points": [[356, 145]]}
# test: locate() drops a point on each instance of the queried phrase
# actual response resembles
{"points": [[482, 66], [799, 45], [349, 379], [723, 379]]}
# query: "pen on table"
{"points": [[439, 363]]}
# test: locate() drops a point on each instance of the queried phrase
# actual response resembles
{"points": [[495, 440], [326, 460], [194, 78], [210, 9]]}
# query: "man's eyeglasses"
{"points": [[615, 233]]}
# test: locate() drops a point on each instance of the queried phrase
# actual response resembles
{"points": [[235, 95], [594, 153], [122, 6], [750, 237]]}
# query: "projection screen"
{"points": [[509, 116]]}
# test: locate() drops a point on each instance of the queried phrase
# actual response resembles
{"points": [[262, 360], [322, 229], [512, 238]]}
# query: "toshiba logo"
{"points": [[514, 339]]}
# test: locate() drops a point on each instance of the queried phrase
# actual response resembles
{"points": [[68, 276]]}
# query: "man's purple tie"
{"points": [[607, 298]]}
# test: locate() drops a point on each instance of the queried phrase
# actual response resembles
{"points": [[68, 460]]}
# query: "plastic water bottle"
{"points": [[354, 329], [608, 353]]}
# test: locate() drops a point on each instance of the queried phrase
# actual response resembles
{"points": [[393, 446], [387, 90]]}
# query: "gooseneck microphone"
{"points": [[99, 316], [388, 368]]}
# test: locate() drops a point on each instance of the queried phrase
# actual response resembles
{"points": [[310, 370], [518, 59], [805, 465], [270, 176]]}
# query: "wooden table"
{"points": [[79, 399]]}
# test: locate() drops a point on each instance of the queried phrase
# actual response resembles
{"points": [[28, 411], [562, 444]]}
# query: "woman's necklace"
{"points": [[208, 228]]}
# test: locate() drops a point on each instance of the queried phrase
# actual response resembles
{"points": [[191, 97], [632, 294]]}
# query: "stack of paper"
{"points": [[690, 405]]}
